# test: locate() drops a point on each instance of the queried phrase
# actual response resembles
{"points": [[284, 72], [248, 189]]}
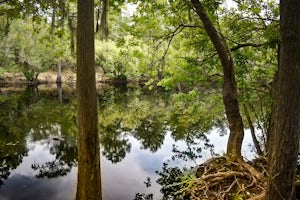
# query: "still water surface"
{"points": [[38, 153]]}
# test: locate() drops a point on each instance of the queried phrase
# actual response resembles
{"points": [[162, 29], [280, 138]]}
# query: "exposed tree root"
{"points": [[260, 196], [219, 179]]}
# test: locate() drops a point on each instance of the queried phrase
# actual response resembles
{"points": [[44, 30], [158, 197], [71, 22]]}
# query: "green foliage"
{"points": [[35, 50], [250, 28], [109, 58], [30, 75], [162, 42], [124, 58]]}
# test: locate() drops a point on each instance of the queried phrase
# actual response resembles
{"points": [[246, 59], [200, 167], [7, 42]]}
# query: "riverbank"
{"points": [[67, 76]]}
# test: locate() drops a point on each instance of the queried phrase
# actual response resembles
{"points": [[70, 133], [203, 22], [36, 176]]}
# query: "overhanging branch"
{"points": [[176, 31], [239, 46]]}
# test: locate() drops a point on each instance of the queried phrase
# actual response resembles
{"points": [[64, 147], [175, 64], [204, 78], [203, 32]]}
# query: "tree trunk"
{"points": [[59, 91], [231, 104], [7, 26], [284, 132], [103, 22], [97, 20], [72, 36], [58, 79], [53, 17], [89, 177], [252, 130]]}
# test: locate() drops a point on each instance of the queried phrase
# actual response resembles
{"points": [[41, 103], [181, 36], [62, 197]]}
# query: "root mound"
{"points": [[219, 179]]}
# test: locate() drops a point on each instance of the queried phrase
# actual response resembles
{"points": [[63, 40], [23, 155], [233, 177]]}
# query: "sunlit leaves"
{"points": [[34, 46]]}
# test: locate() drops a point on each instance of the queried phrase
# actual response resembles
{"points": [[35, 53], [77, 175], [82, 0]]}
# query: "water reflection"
{"points": [[37, 143], [140, 130], [25, 182]]}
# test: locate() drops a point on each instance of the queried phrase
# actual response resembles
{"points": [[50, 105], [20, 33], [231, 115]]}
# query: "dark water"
{"points": [[139, 130]]}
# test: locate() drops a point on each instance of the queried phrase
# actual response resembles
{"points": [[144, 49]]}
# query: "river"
{"points": [[139, 130]]}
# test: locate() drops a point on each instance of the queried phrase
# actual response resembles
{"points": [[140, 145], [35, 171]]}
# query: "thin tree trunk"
{"points": [[59, 91], [97, 20], [72, 36], [231, 104], [283, 141], [62, 9], [89, 177], [7, 26], [103, 23], [252, 130], [53, 17], [71, 27], [58, 79]]}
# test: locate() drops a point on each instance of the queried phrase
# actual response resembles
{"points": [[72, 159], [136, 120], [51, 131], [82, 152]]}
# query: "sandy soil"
{"points": [[68, 76]]}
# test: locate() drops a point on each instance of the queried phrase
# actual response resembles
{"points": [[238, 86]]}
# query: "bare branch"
{"points": [[238, 46], [170, 37], [191, 25], [246, 45], [175, 32]]}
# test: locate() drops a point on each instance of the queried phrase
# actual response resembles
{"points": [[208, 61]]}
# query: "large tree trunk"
{"points": [[284, 130], [89, 177], [231, 104]]}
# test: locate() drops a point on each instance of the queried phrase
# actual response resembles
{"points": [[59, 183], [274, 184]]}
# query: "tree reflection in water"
{"points": [[36, 115], [65, 153], [114, 144], [134, 115]]}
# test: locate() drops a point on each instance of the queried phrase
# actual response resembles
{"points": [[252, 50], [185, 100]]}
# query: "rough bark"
{"points": [[284, 132], [230, 100], [89, 177]]}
